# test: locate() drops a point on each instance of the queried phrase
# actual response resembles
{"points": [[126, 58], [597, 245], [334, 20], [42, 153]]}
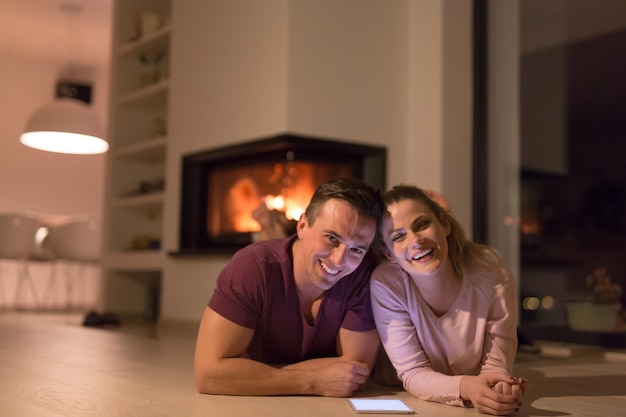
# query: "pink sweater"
{"points": [[431, 354]]}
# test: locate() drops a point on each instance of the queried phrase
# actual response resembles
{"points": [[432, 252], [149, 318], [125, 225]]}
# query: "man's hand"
{"points": [[493, 393], [340, 379]]}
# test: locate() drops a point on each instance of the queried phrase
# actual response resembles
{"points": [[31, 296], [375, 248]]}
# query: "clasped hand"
{"points": [[494, 393]]}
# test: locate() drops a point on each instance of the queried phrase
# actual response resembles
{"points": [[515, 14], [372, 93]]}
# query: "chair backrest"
{"points": [[77, 240], [17, 235]]}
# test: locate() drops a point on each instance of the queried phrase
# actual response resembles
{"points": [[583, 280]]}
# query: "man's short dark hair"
{"points": [[365, 199]]}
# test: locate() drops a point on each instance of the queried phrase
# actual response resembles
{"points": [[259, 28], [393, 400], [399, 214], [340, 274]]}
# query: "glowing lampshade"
{"points": [[66, 125]]}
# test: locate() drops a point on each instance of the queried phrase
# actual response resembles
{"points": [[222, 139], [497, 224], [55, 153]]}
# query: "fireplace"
{"points": [[222, 187]]}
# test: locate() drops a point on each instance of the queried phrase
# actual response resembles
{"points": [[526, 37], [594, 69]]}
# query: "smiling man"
{"points": [[293, 315]]}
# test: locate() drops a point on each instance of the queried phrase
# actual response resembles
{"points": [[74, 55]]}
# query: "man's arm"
{"points": [[220, 369], [358, 346], [361, 347]]}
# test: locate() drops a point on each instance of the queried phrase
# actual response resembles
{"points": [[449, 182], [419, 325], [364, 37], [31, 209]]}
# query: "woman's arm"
{"points": [[500, 344], [500, 347]]}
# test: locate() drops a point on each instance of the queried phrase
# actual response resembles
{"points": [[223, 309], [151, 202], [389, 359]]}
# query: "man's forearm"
{"points": [[331, 377], [313, 363], [239, 376]]}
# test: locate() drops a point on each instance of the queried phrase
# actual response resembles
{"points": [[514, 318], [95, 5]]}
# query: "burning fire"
{"points": [[292, 208], [245, 199], [285, 192]]}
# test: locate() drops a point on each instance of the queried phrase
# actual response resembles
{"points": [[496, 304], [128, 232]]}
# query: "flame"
{"points": [[275, 202], [292, 207], [244, 198], [294, 213]]}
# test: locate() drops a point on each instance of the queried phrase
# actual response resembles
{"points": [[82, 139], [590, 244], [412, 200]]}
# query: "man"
{"points": [[293, 315]]}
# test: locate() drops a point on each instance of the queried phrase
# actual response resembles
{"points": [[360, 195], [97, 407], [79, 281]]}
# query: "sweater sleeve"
{"points": [[500, 344], [398, 333]]}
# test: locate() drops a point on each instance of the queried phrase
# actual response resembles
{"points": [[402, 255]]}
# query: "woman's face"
{"points": [[415, 237]]}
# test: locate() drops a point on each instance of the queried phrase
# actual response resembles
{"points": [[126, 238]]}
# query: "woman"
{"points": [[445, 308]]}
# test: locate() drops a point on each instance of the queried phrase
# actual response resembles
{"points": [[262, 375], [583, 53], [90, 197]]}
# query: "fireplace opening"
{"points": [[222, 187]]}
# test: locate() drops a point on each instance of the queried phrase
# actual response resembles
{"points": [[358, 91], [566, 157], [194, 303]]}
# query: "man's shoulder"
{"points": [[262, 261], [266, 249]]}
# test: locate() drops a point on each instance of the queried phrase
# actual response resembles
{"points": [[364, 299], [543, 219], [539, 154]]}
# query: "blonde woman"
{"points": [[445, 308]]}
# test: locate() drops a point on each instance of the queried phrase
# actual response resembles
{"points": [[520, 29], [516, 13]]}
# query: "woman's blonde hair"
{"points": [[459, 246]]}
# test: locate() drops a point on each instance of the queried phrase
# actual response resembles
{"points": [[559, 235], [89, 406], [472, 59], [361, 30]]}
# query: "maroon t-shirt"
{"points": [[257, 290]]}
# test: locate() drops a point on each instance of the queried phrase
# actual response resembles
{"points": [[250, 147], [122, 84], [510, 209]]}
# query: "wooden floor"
{"points": [[50, 365]]}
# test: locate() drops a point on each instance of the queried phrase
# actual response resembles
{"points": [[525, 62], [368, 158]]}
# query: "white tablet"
{"points": [[379, 406]]}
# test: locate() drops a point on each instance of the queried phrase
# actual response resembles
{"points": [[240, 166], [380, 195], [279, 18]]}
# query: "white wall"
{"points": [[348, 70], [229, 84], [374, 71], [438, 148]]}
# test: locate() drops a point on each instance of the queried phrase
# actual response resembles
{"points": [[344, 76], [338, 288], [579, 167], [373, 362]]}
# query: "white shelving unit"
{"points": [[133, 215]]}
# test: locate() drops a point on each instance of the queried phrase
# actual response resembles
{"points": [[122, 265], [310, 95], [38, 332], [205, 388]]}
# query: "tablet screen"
{"points": [[379, 405]]}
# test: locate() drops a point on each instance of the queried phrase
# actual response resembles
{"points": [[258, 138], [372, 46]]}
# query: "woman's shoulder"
{"points": [[487, 269], [388, 283], [386, 272]]}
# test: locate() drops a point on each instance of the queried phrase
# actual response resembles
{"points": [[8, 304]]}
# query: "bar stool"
{"points": [[75, 242], [17, 241]]}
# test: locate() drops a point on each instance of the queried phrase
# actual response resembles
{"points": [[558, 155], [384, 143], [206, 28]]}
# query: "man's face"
{"points": [[335, 244]]}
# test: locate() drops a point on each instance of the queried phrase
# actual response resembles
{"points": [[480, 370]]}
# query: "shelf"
{"points": [[136, 163], [134, 260], [147, 150], [145, 95], [141, 200], [155, 39]]}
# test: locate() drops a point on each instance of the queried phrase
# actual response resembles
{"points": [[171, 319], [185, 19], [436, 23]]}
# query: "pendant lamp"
{"points": [[67, 124]]}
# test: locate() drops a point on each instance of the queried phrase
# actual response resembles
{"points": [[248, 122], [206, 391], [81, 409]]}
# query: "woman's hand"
{"points": [[493, 393], [517, 388]]}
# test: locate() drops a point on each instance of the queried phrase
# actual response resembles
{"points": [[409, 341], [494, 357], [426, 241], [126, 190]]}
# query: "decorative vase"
{"points": [[592, 317]]}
